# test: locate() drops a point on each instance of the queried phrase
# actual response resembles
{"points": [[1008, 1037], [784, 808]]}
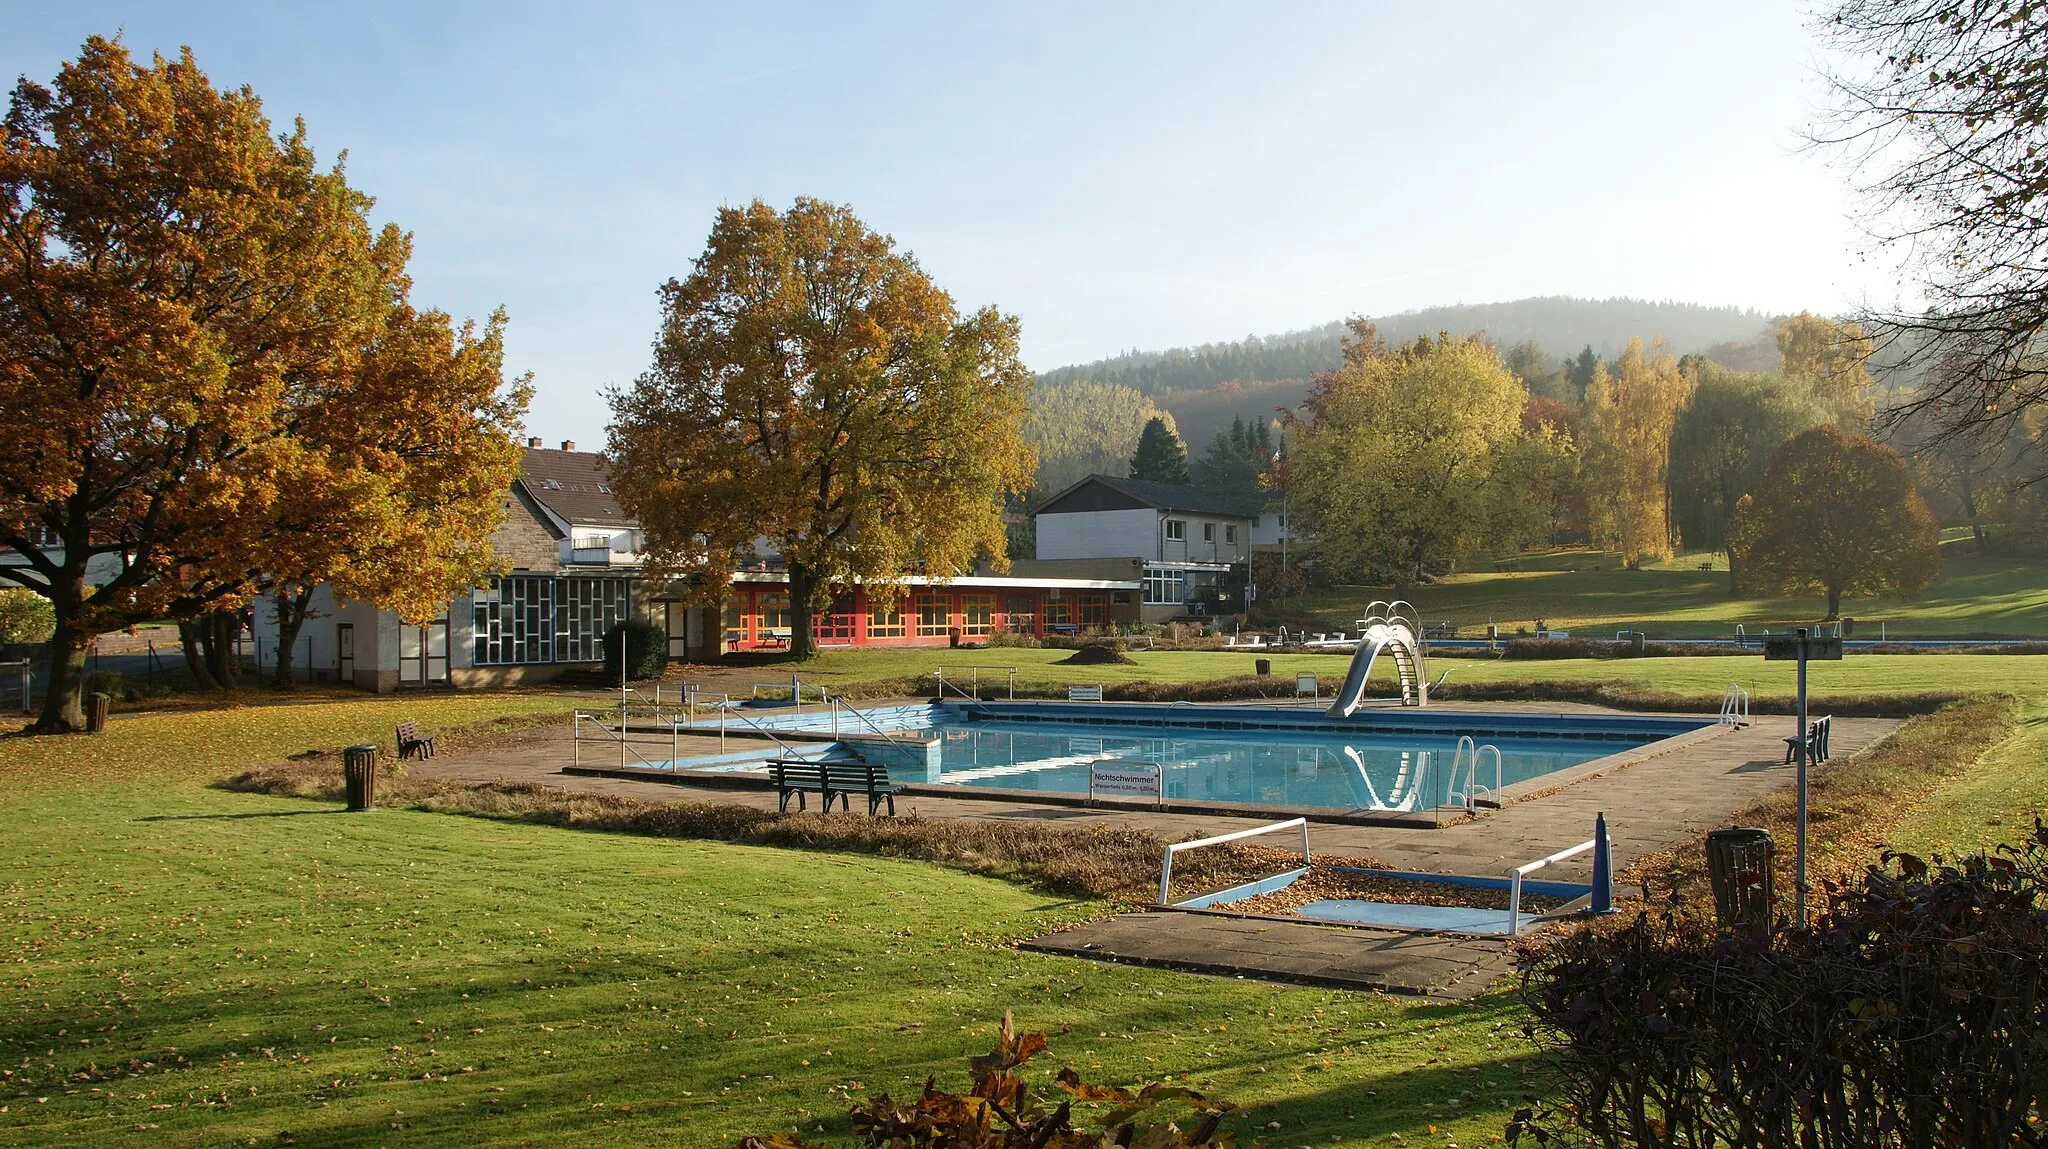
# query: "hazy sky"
{"points": [[1116, 175]]}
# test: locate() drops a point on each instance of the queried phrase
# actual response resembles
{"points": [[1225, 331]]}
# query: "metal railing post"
{"points": [[576, 735]]}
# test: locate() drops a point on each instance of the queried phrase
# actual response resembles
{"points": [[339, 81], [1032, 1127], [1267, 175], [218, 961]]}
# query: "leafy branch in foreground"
{"points": [[999, 1112]]}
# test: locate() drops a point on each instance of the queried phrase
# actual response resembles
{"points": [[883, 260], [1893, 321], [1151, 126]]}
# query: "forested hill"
{"points": [[1560, 325]]}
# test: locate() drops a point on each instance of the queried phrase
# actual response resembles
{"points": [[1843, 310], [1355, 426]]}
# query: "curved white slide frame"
{"points": [[1385, 627]]}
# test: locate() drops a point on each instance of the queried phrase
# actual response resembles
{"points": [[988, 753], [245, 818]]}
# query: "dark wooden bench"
{"points": [[411, 744], [843, 779], [834, 781], [1816, 740], [798, 777]]}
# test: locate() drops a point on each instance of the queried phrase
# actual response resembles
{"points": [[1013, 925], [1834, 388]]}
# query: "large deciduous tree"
{"points": [[813, 386], [1629, 413], [1831, 358], [1721, 441], [403, 467], [1939, 106], [1837, 513], [171, 276], [1394, 470]]}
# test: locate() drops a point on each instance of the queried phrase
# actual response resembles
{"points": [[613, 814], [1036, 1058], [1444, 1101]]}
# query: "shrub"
{"points": [[646, 649], [1913, 1011], [25, 616], [1001, 637], [999, 1112], [107, 682]]}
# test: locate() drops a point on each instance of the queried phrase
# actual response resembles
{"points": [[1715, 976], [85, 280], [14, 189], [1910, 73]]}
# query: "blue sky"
{"points": [[1117, 176]]}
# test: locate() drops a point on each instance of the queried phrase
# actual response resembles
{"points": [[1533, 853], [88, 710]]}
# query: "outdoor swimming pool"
{"points": [[1381, 760]]}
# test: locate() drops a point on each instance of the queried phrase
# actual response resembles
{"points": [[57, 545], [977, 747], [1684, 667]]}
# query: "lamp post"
{"points": [[1801, 645]]}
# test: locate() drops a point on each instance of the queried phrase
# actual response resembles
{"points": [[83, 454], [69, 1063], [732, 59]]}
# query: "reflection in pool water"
{"points": [[1360, 771]]}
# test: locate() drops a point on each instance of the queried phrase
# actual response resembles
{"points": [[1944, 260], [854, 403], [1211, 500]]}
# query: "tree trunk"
{"points": [[291, 610], [223, 627], [1834, 603], [802, 585], [1969, 493], [63, 712], [192, 642]]}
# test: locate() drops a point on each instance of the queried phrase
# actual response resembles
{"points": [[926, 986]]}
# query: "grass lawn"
{"points": [[1995, 802], [1972, 596], [187, 966]]}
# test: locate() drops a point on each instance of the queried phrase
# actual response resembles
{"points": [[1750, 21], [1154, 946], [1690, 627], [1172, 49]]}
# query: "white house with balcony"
{"points": [[1193, 547]]}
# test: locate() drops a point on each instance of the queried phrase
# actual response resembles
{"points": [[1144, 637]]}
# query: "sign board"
{"points": [[1785, 648], [1305, 686], [1125, 780]]}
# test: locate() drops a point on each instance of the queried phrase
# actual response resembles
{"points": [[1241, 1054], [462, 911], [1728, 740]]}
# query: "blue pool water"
{"points": [[1363, 770]]}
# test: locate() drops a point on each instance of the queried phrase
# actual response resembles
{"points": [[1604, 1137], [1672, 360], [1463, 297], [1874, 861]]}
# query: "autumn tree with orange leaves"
{"points": [[813, 386], [186, 302]]}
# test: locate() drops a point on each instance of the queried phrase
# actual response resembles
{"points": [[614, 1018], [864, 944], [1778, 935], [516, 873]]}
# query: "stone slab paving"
{"points": [[1650, 805], [1393, 960]]}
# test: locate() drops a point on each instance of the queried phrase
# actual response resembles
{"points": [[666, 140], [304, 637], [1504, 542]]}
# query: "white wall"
{"points": [[1099, 535], [1193, 548]]}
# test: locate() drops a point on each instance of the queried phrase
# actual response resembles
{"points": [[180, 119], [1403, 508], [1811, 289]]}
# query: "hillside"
{"points": [[1205, 387]]}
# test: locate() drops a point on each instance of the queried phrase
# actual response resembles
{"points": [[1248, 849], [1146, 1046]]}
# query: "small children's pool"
{"points": [[1378, 760]]}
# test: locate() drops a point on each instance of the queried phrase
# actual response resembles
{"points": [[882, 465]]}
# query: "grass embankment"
{"points": [[1589, 592], [887, 671], [190, 966]]}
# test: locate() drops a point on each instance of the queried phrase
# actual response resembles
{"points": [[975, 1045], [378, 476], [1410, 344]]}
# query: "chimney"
{"points": [[568, 444], [534, 442]]}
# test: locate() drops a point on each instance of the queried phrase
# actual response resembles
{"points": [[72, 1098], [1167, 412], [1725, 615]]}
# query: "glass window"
{"points": [[585, 608], [1208, 532], [1229, 534], [1058, 613], [1165, 586], [1020, 615], [885, 621], [735, 620], [1091, 610], [1176, 529], [977, 613], [934, 615], [775, 614]]}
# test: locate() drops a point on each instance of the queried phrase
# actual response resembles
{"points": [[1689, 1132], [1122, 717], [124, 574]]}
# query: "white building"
{"points": [[1193, 547], [573, 556]]}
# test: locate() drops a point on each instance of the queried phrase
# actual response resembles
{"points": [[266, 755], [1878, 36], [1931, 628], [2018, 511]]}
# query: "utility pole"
{"points": [[1801, 645]]}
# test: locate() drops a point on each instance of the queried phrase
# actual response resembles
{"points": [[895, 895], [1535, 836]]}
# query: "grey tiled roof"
{"points": [[575, 485]]}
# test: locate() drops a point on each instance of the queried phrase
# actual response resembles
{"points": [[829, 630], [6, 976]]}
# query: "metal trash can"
{"points": [[1635, 643], [96, 705], [1739, 868], [359, 775], [1262, 667]]}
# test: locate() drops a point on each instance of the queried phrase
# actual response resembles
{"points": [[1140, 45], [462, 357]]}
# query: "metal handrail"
{"points": [[1515, 879], [1469, 792], [1166, 862]]}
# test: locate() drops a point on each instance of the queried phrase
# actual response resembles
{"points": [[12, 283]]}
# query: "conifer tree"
{"points": [[1161, 457]]}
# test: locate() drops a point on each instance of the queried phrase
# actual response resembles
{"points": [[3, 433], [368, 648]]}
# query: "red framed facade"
{"points": [[758, 615]]}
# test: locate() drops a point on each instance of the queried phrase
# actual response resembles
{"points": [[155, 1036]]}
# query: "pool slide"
{"points": [[1398, 640]]}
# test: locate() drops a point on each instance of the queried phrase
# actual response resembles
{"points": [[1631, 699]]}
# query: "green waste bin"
{"points": [[96, 706], [359, 776], [1739, 868]]}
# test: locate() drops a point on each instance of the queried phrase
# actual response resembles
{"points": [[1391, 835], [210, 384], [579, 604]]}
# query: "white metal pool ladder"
{"points": [[1469, 794], [1735, 706]]}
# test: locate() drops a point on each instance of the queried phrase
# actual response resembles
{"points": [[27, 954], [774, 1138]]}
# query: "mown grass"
{"points": [[889, 671], [1994, 801], [1973, 596], [188, 966]]}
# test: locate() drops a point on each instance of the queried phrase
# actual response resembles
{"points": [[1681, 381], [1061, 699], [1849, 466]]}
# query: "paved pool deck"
{"points": [[1651, 803]]}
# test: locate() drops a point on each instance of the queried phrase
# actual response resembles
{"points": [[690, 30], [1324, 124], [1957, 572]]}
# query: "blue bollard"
{"points": [[1603, 868]]}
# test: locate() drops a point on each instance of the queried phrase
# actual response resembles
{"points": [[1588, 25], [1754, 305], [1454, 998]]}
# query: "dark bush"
{"points": [[646, 649], [1911, 1012]]}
